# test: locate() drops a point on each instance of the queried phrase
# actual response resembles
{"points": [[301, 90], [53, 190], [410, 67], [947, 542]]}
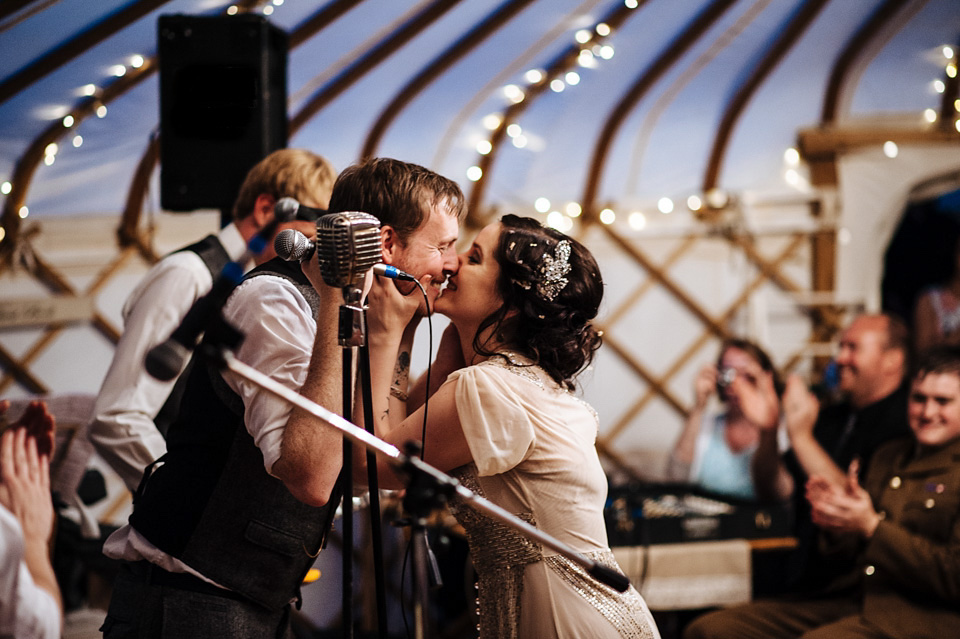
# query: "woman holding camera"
{"points": [[715, 449]]}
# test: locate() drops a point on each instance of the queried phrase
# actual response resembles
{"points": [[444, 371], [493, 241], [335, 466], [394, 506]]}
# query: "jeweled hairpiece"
{"points": [[553, 270], [551, 273]]}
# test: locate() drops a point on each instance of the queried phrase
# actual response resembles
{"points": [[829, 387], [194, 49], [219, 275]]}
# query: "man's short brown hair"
{"points": [[399, 194], [297, 173]]}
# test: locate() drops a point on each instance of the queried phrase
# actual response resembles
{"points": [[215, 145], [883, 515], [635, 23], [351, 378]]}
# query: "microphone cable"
{"points": [[426, 396], [433, 569]]}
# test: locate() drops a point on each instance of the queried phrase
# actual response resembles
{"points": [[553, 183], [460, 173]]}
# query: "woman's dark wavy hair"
{"points": [[557, 334]]}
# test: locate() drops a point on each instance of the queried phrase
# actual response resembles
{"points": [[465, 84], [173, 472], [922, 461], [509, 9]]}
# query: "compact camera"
{"points": [[726, 376]]}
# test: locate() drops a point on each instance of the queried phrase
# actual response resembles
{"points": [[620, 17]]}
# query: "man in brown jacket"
{"points": [[903, 526]]}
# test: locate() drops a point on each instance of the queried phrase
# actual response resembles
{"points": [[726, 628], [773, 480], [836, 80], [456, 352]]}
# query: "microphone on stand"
{"points": [[347, 246], [293, 246]]}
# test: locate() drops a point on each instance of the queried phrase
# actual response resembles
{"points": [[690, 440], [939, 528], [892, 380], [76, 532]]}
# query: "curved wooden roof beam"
{"points": [[11, 7], [559, 65], [319, 21], [665, 97], [559, 25], [26, 165], [371, 59], [869, 36], [440, 63], [861, 39], [680, 44], [788, 36], [60, 55]]}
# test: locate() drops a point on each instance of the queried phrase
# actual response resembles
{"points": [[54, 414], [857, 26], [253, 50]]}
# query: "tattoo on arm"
{"points": [[402, 371]]}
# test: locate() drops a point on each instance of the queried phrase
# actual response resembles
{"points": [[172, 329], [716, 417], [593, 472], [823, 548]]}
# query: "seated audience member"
{"points": [[902, 528], [29, 595], [133, 409], [936, 315], [715, 450]]}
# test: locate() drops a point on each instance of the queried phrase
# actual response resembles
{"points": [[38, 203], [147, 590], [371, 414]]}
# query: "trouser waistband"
{"points": [[185, 581]]}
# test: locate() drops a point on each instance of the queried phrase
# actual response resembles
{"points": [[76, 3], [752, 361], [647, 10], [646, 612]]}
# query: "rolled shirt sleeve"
{"points": [[279, 328]]}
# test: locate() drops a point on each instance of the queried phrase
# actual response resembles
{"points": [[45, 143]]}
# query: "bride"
{"points": [[507, 423]]}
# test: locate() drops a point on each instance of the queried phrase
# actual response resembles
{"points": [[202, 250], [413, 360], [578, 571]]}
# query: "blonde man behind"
{"points": [[133, 409]]}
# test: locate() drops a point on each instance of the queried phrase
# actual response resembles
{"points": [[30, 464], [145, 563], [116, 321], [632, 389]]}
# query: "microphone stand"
{"points": [[429, 487], [352, 332], [373, 484]]}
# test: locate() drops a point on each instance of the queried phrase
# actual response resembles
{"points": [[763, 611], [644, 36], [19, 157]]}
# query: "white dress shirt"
{"points": [[279, 329], [122, 429]]}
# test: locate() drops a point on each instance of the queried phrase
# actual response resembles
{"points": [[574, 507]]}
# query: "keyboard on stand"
{"points": [[642, 514]]}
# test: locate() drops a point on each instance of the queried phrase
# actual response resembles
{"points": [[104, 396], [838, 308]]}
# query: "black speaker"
{"points": [[223, 105]]}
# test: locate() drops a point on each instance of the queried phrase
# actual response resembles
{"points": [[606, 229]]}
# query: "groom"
{"points": [[228, 522]]}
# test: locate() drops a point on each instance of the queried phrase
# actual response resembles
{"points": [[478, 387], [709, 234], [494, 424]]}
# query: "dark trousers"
{"points": [[785, 619], [149, 603]]}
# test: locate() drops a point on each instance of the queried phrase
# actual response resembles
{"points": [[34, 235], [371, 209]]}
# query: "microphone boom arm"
{"points": [[415, 468]]}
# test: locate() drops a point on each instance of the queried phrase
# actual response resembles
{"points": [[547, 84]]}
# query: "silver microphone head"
{"points": [[348, 245], [292, 245]]}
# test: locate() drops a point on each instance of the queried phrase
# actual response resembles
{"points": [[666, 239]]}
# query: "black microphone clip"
{"points": [[288, 209]]}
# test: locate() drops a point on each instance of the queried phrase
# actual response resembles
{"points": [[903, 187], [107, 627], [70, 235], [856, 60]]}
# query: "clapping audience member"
{"points": [[715, 450], [871, 364], [823, 440], [900, 528], [29, 596]]}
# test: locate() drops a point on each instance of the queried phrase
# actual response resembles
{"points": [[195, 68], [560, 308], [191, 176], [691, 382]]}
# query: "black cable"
{"points": [[403, 572], [423, 441], [426, 397]]}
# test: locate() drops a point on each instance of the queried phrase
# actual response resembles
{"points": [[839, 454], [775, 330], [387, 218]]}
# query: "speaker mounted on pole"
{"points": [[223, 105]]}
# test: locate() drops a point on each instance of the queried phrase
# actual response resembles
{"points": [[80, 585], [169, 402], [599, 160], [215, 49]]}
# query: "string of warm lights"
{"points": [[563, 218], [267, 9], [92, 90], [592, 48]]}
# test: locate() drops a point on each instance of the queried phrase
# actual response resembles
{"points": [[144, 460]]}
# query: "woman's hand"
{"points": [[25, 483], [757, 398], [705, 385]]}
